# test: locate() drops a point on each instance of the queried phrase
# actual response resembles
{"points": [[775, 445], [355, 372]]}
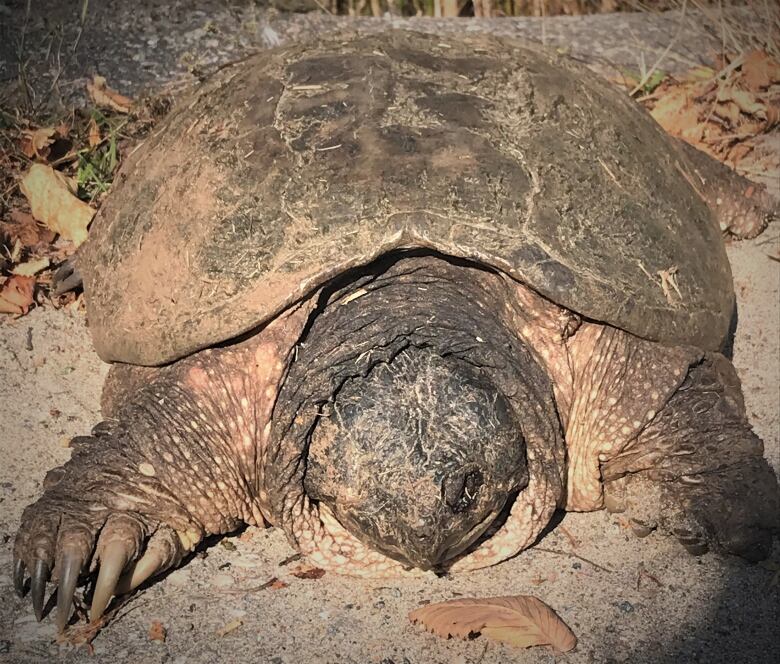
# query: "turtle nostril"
{"points": [[459, 491]]}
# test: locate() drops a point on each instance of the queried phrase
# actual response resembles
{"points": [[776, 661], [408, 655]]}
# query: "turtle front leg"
{"points": [[697, 470], [180, 460]]}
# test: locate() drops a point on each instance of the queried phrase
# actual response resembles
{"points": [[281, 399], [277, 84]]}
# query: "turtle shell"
{"points": [[285, 169]]}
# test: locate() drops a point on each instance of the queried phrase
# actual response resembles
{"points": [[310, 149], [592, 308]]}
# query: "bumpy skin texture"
{"points": [[302, 162], [180, 459], [696, 470]]}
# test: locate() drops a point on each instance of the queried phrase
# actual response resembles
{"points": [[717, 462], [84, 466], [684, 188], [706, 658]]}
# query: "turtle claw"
{"points": [[40, 575], [66, 278], [147, 566], [642, 527], [112, 563], [59, 544], [694, 544], [70, 567], [19, 569]]}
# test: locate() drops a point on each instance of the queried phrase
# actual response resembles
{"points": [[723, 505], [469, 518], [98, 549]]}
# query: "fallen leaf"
{"points": [[63, 128], [759, 70], [16, 251], [52, 202], [106, 97], [728, 111], [16, 295], [157, 632], [738, 152], [21, 227], [35, 142], [518, 620], [308, 572], [94, 136], [278, 584], [675, 111], [230, 627], [632, 80], [31, 268]]}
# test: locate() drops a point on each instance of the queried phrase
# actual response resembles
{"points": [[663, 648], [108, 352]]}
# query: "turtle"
{"points": [[404, 297]]}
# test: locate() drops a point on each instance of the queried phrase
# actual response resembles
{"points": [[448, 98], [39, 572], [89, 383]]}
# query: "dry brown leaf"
{"points": [[63, 128], [308, 572], [676, 112], [759, 70], [745, 100], [49, 194], [699, 74], [16, 295], [728, 111], [106, 97], [31, 268], [94, 136], [157, 632], [519, 620], [35, 142], [739, 152], [21, 227]]}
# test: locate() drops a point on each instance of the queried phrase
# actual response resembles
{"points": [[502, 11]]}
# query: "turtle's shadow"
{"points": [[728, 345], [734, 626]]}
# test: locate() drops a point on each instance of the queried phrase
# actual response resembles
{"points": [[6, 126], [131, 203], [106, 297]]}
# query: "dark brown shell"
{"points": [[285, 169]]}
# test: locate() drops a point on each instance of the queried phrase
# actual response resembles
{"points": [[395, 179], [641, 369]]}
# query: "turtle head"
{"points": [[418, 457]]}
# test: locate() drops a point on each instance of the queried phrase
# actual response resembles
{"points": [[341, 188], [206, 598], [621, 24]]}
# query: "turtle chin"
{"points": [[418, 457]]}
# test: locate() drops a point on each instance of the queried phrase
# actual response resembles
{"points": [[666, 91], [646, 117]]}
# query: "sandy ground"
{"points": [[683, 609]]}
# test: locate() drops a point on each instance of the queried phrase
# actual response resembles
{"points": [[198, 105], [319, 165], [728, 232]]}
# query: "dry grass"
{"points": [[494, 8]]}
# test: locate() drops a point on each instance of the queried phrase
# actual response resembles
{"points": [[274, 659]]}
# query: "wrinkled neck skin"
{"points": [[413, 423]]}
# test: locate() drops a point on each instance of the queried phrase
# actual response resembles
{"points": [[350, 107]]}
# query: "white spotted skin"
{"points": [[235, 388], [608, 386], [610, 404], [327, 544]]}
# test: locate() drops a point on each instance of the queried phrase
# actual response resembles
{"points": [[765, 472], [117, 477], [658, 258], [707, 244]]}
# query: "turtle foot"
{"points": [[697, 472], [73, 530]]}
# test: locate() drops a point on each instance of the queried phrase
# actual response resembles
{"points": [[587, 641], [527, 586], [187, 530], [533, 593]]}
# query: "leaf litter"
{"points": [[55, 173], [726, 110]]}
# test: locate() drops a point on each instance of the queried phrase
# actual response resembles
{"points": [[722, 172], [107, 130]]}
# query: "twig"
{"points": [[642, 573], [322, 7], [572, 540], [255, 589], [639, 86], [574, 555]]}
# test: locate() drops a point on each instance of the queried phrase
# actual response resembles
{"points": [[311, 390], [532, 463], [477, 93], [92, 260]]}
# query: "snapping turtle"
{"points": [[403, 297]]}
